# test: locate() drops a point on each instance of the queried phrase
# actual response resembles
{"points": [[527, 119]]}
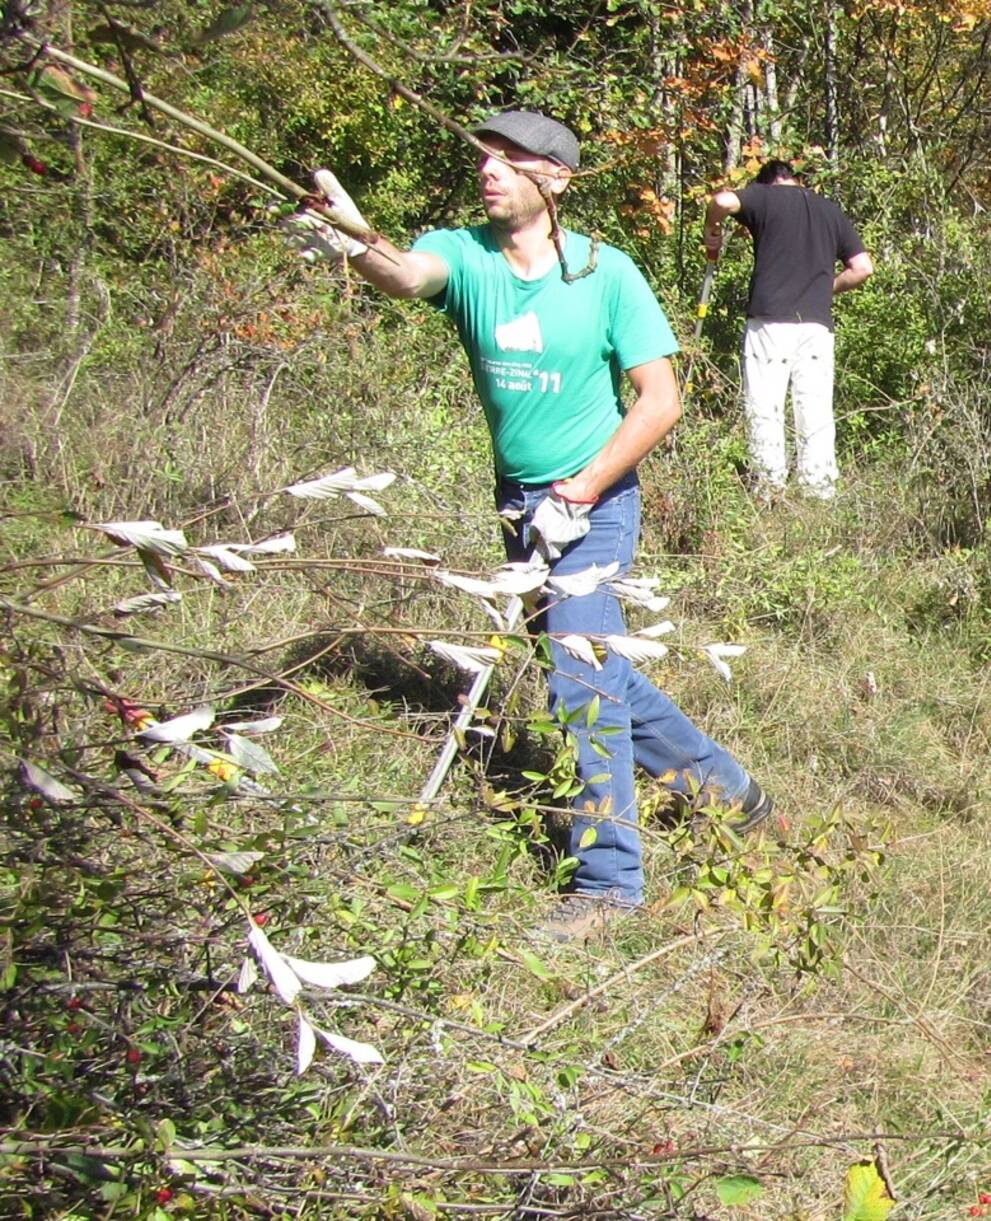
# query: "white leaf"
{"points": [[646, 584], [266, 725], [720, 666], [483, 731], [305, 1046], [196, 753], [636, 650], [145, 535], [521, 578], [715, 654], [497, 618], [146, 602], [374, 483], [285, 981], [249, 755], [278, 545], [322, 489], [656, 629], [410, 553], [234, 862], [640, 591], [472, 659], [655, 604], [725, 650], [248, 975], [470, 585], [156, 568], [332, 974], [578, 584], [363, 1053], [227, 558], [366, 503], [38, 779], [180, 728], [212, 571], [580, 647]]}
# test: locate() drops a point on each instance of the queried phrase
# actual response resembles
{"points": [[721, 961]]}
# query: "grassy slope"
{"points": [[621, 1079]]}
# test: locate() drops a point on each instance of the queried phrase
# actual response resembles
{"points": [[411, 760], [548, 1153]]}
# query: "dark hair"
{"points": [[774, 171]]}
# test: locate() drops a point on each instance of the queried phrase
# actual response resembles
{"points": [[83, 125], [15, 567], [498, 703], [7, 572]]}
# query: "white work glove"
{"points": [[314, 238], [558, 522]]}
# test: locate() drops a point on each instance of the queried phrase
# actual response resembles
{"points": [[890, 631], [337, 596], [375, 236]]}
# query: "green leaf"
{"points": [[589, 836], [443, 894], [592, 713], [165, 1134], [90, 1169], [471, 892], [229, 21], [129, 38], [865, 1194], [535, 966], [738, 1189], [11, 148]]}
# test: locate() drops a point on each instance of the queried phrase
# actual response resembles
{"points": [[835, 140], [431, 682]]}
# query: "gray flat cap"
{"points": [[536, 133]]}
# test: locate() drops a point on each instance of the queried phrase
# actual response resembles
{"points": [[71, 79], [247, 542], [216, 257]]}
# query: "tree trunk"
{"points": [[832, 133]]}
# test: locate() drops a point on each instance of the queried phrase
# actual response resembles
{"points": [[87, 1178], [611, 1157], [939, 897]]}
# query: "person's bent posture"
{"points": [[547, 350], [799, 238]]}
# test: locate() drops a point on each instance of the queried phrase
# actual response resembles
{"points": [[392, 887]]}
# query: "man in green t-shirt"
{"points": [[551, 322]]}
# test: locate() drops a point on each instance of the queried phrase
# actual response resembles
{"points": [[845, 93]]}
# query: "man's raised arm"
{"points": [[397, 273], [721, 205]]}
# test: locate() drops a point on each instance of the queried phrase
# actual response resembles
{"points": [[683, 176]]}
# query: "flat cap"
{"points": [[536, 133]]}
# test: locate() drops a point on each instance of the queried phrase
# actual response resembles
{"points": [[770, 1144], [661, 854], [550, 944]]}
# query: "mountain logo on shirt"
{"points": [[520, 335]]}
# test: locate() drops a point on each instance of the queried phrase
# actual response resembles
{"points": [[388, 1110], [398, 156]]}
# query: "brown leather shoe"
{"points": [[757, 806], [579, 917]]}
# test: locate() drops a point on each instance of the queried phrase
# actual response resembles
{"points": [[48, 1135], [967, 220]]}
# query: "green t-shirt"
{"points": [[547, 356]]}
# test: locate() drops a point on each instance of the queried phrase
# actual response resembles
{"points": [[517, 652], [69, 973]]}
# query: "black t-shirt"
{"points": [[799, 237]]}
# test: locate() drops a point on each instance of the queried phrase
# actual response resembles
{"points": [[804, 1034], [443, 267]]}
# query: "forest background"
{"points": [[219, 468]]}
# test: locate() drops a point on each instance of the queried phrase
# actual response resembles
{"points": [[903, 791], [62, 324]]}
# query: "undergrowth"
{"points": [[784, 1009]]}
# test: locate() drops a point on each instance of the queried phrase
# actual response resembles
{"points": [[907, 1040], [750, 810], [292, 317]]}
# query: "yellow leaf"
{"points": [[416, 815], [865, 1194]]}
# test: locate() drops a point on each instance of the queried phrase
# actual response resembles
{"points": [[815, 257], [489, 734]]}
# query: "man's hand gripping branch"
{"points": [[315, 238]]}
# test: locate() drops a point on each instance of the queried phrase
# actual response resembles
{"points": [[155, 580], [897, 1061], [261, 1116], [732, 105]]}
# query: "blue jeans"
{"points": [[644, 726]]}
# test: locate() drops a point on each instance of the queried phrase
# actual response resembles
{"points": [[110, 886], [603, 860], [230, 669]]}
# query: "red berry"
{"points": [[985, 1197], [74, 1002], [246, 881], [261, 919], [73, 1028], [976, 1210], [34, 165], [163, 1195], [133, 1056]]}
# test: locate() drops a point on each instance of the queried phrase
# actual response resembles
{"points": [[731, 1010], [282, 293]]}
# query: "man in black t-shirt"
{"points": [[799, 238]]}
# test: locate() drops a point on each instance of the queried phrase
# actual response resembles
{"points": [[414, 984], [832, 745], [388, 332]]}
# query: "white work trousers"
{"points": [[774, 354]]}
